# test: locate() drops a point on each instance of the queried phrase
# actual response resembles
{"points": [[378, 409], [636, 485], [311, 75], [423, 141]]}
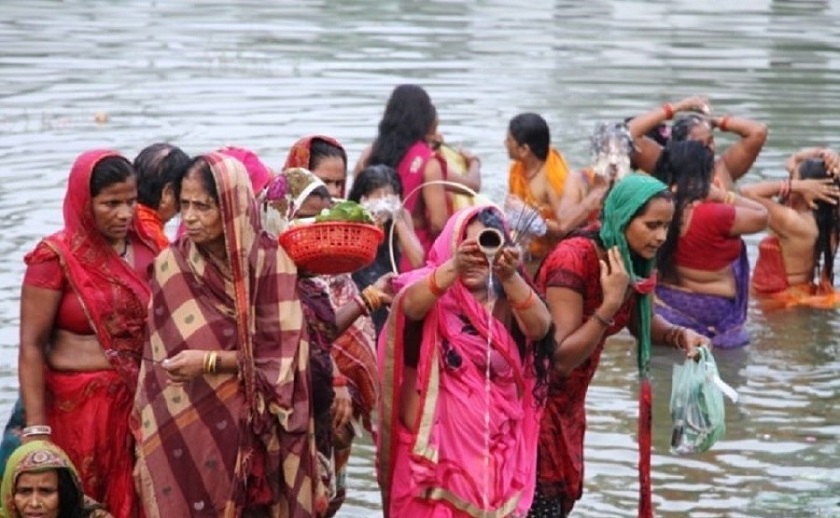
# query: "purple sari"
{"points": [[719, 318]]}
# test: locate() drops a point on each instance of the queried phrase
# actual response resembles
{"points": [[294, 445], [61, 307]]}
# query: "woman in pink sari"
{"points": [[443, 451]]}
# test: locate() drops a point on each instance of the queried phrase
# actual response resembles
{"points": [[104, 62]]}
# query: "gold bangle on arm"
{"points": [[431, 283], [205, 365], [214, 359]]}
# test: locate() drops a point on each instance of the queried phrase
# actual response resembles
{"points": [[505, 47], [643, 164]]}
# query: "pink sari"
{"points": [[439, 467]]}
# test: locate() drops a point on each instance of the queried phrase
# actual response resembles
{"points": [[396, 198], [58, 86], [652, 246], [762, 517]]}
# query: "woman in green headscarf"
{"points": [[596, 284], [41, 481]]}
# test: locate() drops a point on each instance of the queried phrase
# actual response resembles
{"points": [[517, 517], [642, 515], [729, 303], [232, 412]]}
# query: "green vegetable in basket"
{"points": [[348, 211]]}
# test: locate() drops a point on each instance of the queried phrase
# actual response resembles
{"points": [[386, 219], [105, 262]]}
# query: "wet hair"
{"points": [[531, 129], [686, 167], [828, 222], [201, 166], [681, 128], [409, 116], [321, 149], [70, 501], [372, 178], [157, 166], [109, 171]]}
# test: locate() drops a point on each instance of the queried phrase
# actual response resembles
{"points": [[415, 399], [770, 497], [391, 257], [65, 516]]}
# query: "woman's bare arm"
{"points": [[38, 309]]}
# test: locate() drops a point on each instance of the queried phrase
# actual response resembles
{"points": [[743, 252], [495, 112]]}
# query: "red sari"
{"points": [[574, 265], [88, 411]]}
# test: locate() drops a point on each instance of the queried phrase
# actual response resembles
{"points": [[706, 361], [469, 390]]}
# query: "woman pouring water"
{"points": [[458, 418]]}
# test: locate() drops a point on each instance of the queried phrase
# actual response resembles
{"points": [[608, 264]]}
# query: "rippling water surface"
{"points": [[261, 74]]}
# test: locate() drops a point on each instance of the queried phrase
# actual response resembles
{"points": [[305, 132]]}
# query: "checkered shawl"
{"points": [[226, 444]]}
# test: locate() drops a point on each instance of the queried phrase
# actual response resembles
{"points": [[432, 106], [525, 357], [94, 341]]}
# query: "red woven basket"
{"points": [[332, 247]]}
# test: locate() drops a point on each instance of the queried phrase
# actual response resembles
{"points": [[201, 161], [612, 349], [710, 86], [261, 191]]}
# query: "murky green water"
{"points": [[261, 74]]}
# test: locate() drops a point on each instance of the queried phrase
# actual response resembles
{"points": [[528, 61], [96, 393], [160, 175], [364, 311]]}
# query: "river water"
{"points": [[79, 74]]}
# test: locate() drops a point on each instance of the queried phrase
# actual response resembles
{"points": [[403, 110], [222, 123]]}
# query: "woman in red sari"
{"points": [[457, 434], [223, 412], [82, 323]]}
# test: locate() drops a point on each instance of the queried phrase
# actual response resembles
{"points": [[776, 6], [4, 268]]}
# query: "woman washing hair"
{"points": [[796, 261]]}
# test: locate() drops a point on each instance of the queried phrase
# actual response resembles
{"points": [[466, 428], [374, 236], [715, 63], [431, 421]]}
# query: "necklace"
{"points": [[533, 174]]}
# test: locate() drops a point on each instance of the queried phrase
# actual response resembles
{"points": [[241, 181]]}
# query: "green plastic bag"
{"points": [[697, 411]]}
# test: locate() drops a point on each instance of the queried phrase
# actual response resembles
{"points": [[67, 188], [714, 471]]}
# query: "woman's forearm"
{"points": [[31, 365], [421, 295], [527, 307], [574, 349]]}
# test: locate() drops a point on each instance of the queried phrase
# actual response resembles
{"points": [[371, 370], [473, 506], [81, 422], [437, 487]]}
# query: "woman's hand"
{"points": [[468, 256], [614, 278], [384, 285], [185, 365], [832, 161], [814, 190], [342, 407], [506, 263], [689, 341], [695, 103]]}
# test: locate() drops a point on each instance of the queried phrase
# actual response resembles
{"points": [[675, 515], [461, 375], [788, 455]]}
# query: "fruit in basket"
{"points": [[348, 211]]}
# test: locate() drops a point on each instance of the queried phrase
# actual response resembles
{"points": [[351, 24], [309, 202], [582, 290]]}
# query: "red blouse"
{"points": [[707, 245]]}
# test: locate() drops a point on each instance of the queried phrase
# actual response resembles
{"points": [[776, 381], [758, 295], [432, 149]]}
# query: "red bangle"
{"points": [[339, 381], [436, 290], [723, 122], [669, 111], [525, 304]]}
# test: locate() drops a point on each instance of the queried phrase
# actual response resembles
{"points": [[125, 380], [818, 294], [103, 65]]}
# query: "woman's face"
{"points": [[515, 150], [36, 494], [647, 232], [333, 172], [113, 209], [201, 214], [312, 206], [475, 278]]}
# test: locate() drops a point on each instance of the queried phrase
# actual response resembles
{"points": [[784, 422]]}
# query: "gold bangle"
{"points": [[373, 297], [729, 198], [205, 368], [214, 358]]}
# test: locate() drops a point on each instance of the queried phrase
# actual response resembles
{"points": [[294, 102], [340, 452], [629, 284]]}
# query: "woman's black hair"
{"points": [[320, 149], [686, 167], [201, 166], [828, 223], [531, 129], [70, 499], [157, 166], [109, 171], [681, 128], [409, 116], [374, 177]]}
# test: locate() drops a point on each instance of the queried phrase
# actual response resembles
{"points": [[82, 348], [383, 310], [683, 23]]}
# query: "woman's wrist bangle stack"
{"points": [[371, 298], [668, 108], [211, 360], [431, 283], [601, 320], [526, 304], [38, 429], [339, 380]]}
